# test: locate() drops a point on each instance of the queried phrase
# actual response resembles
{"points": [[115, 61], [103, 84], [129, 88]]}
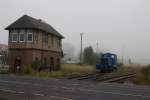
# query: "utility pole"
{"points": [[97, 47], [122, 55], [81, 49]]}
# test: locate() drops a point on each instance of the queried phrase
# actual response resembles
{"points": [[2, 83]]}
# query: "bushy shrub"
{"points": [[26, 69], [36, 65], [4, 72]]}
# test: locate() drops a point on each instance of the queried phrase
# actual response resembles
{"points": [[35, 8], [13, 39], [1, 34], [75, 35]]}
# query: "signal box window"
{"points": [[22, 36], [14, 37], [30, 37]]}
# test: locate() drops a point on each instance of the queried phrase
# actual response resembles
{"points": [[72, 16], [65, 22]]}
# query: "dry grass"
{"points": [[143, 76], [73, 68], [128, 69], [142, 73], [56, 74], [67, 70]]}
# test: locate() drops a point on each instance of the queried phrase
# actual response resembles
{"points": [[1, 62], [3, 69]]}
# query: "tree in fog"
{"points": [[88, 56], [97, 57]]}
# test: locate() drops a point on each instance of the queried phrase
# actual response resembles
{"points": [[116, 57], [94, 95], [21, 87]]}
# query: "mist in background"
{"points": [[118, 26]]}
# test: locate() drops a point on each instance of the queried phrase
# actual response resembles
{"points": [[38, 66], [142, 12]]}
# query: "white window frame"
{"points": [[23, 37], [28, 35], [20, 33], [13, 39]]}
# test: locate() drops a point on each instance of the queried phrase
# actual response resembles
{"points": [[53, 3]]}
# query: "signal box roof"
{"points": [[27, 22]]}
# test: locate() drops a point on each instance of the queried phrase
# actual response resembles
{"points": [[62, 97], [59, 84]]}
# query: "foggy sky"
{"points": [[119, 26]]}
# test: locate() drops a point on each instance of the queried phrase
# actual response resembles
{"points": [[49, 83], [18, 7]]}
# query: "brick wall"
{"points": [[26, 53]]}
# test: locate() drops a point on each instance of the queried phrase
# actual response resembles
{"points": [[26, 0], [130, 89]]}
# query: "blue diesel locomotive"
{"points": [[108, 62]]}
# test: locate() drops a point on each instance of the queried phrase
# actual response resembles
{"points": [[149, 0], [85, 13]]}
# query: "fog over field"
{"points": [[119, 26]]}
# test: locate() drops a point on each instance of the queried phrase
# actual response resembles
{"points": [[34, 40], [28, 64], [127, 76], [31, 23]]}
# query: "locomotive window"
{"points": [[104, 61], [112, 56]]}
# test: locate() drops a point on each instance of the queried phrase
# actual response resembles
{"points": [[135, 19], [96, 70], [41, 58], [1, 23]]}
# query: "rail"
{"points": [[104, 77], [120, 78]]}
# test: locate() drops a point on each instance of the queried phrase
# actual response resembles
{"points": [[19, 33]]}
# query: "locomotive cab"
{"points": [[108, 62]]}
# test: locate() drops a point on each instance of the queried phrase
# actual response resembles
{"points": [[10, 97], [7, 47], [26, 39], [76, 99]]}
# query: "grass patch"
{"points": [[129, 69], [26, 70], [66, 70], [143, 76], [56, 74], [142, 73], [77, 69]]}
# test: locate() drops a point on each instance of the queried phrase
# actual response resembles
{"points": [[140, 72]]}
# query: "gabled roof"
{"points": [[32, 23]]}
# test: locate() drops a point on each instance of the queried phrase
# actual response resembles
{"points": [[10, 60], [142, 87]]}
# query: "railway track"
{"points": [[78, 77], [89, 77], [121, 78], [105, 77]]}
